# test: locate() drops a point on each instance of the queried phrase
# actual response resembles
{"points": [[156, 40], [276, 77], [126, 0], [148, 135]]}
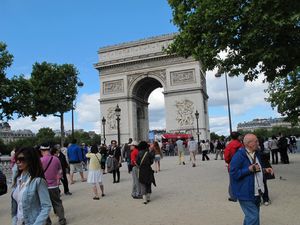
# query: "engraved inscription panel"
{"points": [[182, 77], [134, 51], [112, 87]]}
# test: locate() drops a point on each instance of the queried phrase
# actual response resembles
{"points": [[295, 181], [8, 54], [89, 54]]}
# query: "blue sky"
{"points": [[72, 31]]}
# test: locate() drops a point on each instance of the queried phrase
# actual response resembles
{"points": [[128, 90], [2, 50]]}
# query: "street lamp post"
{"points": [[79, 84], [197, 120], [118, 114], [227, 93], [103, 125]]}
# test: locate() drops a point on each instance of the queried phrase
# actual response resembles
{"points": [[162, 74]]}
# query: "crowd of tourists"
{"points": [[38, 172]]}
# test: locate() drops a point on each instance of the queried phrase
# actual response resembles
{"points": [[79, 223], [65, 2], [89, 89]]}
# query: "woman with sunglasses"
{"points": [[30, 197]]}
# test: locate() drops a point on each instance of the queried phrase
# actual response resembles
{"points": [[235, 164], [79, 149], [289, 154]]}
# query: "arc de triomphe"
{"points": [[128, 74]]}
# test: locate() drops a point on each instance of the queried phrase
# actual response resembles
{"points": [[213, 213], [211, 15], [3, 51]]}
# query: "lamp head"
{"points": [[118, 111], [197, 114], [103, 120], [80, 84]]}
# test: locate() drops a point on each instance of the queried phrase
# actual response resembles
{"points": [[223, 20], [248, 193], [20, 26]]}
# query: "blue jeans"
{"points": [[251, 211]]}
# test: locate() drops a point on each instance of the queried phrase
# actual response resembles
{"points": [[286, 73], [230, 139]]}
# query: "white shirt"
{"points": [[192, 146], [18, 195], [258, 176]]}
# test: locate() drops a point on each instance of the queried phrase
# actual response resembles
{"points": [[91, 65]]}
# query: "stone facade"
{"points": [[8, 135], [128, 74]]}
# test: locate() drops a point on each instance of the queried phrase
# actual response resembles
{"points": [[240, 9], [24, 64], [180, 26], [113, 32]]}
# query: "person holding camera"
{"points": [[247, 171]]}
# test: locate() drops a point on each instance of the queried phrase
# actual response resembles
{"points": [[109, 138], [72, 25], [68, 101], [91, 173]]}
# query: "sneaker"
{"points": [[68, 193], [266, 203], [194, 164], [183, 163], [232, 200], [96, 198]]}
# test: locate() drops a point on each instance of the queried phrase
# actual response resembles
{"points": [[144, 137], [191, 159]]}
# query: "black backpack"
{"points": [[3, 184]]}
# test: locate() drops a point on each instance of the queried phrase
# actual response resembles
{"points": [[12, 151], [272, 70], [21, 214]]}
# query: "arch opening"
{"points": [[147, 116]]}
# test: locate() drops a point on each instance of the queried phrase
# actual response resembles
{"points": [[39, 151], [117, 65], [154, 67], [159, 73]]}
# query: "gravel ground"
{"points": [[184, 195]]}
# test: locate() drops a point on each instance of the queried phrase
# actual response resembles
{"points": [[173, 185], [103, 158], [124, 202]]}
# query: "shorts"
{"points": [[157, 158], [76, 167]]}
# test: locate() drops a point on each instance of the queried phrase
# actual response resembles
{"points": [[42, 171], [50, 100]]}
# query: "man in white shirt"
{"points": [[180, 149], [192, 148]]}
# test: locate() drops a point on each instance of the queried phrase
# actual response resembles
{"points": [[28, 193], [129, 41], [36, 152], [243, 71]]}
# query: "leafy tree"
{"points": [[3, 147], [45, 135], [284, 93], [81, 137], [260, 36], [54, 89], [96, 139], [20, 99], [26, 142], [6, 60]]}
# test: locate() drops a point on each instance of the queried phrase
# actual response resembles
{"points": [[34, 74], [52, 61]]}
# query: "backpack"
{"points": [[3, 184]]}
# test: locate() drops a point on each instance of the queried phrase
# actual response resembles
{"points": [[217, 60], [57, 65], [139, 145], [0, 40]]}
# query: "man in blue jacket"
{"points": [[75, 160], [246, 171]]}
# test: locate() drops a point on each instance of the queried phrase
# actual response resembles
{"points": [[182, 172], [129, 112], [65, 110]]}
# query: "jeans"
{"points": [[230, 190], [251, 211], [57, 206], [136, 187], [274, 156], [265, 195], [116, 172], [204, 155]]}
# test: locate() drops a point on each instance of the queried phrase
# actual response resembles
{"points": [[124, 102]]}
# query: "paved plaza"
{"points": [[183, 196]]}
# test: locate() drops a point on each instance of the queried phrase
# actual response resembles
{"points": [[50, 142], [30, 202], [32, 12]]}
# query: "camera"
{"points": [[254, 168]]}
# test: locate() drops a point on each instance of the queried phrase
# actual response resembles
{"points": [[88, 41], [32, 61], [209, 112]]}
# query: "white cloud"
{"points": [[88, 108], [27, 123], [88, 112], [219, 124], [243, 95], [158, 124], [156, 99]]}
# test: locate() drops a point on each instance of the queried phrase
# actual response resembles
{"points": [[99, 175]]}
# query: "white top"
{"points": [[273, 144], [258, 176], [180, 146], [192, 146], [18, 195], [205, 146]]}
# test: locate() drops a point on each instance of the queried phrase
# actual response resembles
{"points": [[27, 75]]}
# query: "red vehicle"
{"points": [[174, 137]]}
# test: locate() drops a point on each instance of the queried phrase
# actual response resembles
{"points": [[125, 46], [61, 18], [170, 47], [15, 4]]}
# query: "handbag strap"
{"points": [[98, 159], [48, 165], [143, 158]]}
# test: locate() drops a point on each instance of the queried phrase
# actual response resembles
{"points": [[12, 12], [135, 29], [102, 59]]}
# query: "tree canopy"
{"points": [[261, 36], [6, 60], [45, 135], [54, 88], [284, 93]]}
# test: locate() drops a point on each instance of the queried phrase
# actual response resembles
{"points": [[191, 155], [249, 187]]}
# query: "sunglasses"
{"points": [[20, 159]]}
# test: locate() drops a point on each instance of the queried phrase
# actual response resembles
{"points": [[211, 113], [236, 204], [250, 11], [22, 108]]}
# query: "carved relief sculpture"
{"points": [[112, 87], [182, 77], [185, 112], [111, 118]]}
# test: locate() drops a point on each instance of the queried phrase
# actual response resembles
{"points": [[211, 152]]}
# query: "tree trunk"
{"points": [[62, 130]]}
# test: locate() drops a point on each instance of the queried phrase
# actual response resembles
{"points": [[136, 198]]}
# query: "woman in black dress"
{"points": [[114, 161], [146, 174]]}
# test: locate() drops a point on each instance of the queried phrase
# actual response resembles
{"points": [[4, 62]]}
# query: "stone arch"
{"points": [[139, 91], [128, 74]]}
